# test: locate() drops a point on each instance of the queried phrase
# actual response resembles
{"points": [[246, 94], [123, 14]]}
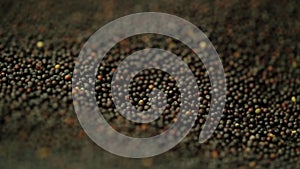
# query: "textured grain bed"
{"points": [[258, 43]]}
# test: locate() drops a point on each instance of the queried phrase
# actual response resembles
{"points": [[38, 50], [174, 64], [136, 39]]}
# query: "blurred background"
{"points": [[258, 43]]}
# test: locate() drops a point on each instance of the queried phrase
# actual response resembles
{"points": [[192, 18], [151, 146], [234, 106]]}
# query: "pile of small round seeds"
{"points": [[258, 43]]}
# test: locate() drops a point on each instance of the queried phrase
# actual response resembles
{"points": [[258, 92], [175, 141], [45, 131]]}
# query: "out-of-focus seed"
{"points": [[40, 44]]}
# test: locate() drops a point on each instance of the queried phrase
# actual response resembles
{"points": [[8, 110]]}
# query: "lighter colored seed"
{"points": [[188, 113], [203, 45], [271, 135], [215, 154], [144, 127], [236, 55], [68, 77], [258, 110], [141, 102], [293, 99], [57, 66], [99, 77], [151, 86], [252, 137], [40, 44]]}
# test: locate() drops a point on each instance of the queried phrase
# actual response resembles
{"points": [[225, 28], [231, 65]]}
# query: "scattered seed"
{"points": [[203, 45], [293, 99], [258, 110], [151, 86], [40, 44], [57, 66], [215, 154], [68, 77], [141, 102], [99, 77]]}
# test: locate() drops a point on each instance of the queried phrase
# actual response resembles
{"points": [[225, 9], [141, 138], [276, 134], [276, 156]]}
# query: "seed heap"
{"points": [[260, 127]]}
